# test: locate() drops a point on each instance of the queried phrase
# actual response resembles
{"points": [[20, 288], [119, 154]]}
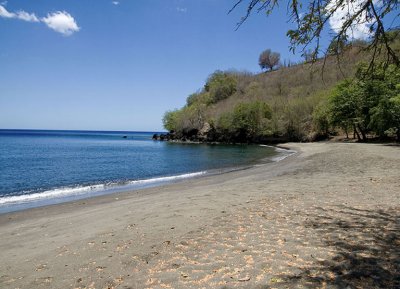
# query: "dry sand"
{"points": [[326, 217]]}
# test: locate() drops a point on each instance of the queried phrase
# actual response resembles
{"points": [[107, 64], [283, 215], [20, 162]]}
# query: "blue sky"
{"points": [[119, 65], [127, 64]]}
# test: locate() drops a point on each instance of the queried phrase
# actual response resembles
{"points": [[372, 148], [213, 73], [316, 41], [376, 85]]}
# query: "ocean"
{"points": [[42, 167]]}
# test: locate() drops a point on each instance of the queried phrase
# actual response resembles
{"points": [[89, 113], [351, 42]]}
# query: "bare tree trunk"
{"points": [[364, 136], [347, 133], [356, 132]]}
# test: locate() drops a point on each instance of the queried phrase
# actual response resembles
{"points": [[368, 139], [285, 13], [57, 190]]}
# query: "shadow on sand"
{"points": [[366, 245]]}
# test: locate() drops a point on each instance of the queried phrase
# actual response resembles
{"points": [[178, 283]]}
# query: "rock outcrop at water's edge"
{"points": [[163, 137], [208, 134], [205, 134]]}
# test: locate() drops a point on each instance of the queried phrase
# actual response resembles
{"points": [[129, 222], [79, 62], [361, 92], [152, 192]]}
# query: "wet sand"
{"points": [[325, 217]]}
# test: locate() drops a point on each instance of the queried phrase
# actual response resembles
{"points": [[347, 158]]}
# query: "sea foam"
{"points": [[67, 192]]}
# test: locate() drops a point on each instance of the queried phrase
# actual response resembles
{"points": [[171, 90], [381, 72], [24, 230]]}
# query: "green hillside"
{"points": [[293, 102]]}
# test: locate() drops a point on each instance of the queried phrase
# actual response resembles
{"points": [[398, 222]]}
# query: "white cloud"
{"points": [[30, 17], [115, 2], [22, 15], [5, 14], [61, 22], [181, 10], [360, 28]]}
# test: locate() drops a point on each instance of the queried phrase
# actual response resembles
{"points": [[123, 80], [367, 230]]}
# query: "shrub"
{"points": [[220, 85]]}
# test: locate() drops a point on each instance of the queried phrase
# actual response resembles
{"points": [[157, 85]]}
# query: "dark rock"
{"points": [[163, 137], [171, 135], [191, 132]]}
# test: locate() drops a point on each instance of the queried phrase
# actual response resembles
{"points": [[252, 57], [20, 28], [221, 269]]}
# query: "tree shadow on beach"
{"points": [[366, 246]]}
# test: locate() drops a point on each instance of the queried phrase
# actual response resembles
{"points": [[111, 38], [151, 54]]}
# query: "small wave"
{"points": [[56, 193], [284, 153], [82, 190], [167, 179]]}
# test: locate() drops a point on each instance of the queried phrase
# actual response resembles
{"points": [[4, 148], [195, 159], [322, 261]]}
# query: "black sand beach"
{"points": [[325, 217]]}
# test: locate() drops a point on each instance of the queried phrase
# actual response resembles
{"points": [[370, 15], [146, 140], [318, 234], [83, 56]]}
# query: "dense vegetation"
{"points": [[298, 102], [367, 103]]}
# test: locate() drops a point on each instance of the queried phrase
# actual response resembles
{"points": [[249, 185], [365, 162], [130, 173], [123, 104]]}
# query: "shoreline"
{"points": [[60, 195], [240, 229], [103, 198]]}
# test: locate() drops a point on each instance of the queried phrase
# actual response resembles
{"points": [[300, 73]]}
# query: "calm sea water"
{"points": [[39, 167]]}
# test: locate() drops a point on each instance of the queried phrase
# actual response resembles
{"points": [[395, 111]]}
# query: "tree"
{"points": [[247, 121], [191, 99], [345, 108], [369, 102], [250, 117], [269, 59], [171, 119], [385, 116], [220, 85], [312, 18]]}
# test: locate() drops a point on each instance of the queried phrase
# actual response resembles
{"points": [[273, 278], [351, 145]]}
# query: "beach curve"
{"points": [[314, 219]]}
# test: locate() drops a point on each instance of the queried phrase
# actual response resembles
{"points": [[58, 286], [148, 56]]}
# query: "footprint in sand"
{"points": [[41, 267], [43, 280]]}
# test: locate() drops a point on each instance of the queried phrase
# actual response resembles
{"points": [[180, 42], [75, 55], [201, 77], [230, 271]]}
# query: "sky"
{"points": [[120, 65]]}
